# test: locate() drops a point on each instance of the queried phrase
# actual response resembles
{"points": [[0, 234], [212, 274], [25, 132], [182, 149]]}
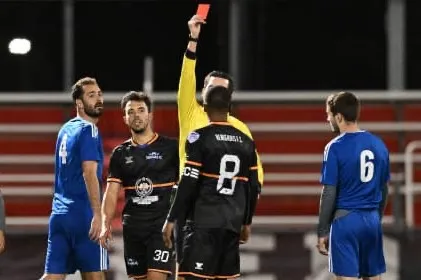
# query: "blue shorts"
{"points": [[70, 248], [356, 245]]}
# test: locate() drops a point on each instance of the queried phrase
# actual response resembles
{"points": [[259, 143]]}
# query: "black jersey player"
{"points": [[218, 193], [146, 167]]}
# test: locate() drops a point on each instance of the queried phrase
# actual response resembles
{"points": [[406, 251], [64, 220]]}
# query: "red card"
{"points": [[202, 10]]}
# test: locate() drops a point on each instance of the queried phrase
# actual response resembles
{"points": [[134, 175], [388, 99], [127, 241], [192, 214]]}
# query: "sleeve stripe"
{"points": [[326, 153], [216, 176], [254, 168], [193, 163], [115, 180]]}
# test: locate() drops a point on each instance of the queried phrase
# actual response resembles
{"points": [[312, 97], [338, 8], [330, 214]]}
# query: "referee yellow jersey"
{"points": [[191, 115]]}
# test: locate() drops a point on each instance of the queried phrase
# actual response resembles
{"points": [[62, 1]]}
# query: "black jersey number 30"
{"points": [[228, 175]]}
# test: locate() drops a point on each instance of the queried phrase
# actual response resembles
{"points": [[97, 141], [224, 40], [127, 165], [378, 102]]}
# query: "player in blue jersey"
{"points": [[355, 175], [75, 221]]}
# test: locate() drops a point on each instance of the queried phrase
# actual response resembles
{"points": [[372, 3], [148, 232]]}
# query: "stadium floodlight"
{"points": [[19, 46]]}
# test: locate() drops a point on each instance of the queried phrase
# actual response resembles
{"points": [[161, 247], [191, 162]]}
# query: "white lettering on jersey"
{"points": [[228, 138], [191, 172], [154, 155]]}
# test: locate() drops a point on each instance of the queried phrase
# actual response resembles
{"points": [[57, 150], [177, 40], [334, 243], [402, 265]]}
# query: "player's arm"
{"points": [[187, 189], [177, 164], [329, 179], [244, 129], [252, 192], [2, 214], [2, 223], [90, 156], [385, 189], [186, 96], [114, 182]]}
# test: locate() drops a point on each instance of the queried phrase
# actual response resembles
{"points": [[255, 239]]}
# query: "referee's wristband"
{"points": [[190, 55], [192, 39]]}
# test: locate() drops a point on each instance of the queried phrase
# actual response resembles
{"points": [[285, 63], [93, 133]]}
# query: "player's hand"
{"points": [[194, 26], [95, 230], [322, 245], [245, 234], [167, 231], [106, 235], [2, 242]]}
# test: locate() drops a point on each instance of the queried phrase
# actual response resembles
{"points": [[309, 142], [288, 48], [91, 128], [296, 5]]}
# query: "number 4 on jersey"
{"points": [[366, 166], [62, 152]]}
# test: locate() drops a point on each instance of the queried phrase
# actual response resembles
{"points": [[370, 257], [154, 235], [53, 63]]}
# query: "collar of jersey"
{"points": [[153, 139], [220, 123]]}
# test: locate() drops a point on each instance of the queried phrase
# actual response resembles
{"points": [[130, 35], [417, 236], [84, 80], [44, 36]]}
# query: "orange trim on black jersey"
{"points": [[221, 123], [160, 270], [153, 139], [137, 276], [228, 277], [169, 184], [193, 163], [216, 176], [114, 180], [196, 275], [254, 168]]}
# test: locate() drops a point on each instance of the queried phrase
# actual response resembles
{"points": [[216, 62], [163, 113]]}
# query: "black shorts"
{"points": [[211, 253], [144, 251]]}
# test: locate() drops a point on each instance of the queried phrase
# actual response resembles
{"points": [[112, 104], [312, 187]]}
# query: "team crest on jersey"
{"points": [[143, 187], [193, 136]]}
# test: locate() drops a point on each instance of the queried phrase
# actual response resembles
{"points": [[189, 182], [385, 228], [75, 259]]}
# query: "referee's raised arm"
{"points": [[186, 96]]}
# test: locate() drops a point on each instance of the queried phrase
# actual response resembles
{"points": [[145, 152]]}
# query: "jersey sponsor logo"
{"points": [[191, 172], [193, 136], [154, 155], [144, 188]]}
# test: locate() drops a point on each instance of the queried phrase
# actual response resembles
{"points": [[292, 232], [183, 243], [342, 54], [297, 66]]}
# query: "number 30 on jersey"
{"points": [[366, 166]]}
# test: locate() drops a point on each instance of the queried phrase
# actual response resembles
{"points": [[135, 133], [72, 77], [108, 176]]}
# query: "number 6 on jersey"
{"points": [[366, 166], [230, 175]]}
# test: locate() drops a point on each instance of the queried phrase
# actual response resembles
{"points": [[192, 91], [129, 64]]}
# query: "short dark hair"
{"points": [[77, 88], [223, 75], [218, 98], [136, 96], [346, 104]]}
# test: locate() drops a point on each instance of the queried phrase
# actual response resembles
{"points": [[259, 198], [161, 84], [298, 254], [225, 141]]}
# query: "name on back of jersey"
{"points": [[228, 138]]}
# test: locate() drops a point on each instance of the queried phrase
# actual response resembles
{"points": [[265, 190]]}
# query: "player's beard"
{"points": [[141, 128], [93, 111], [334, 126]]}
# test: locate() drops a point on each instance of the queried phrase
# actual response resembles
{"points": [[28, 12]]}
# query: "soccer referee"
{"points": [[191, 115]]}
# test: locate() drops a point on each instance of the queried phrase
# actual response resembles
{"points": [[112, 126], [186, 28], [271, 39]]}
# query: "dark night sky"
{"points": [[288, 44]]}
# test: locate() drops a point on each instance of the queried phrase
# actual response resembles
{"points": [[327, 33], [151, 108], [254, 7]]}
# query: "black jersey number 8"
{"points": [[228, 175]]}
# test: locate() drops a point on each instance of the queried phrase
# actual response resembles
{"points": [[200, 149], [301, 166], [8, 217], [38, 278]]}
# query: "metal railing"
{"points": [[313, 188], [411, 187]]}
